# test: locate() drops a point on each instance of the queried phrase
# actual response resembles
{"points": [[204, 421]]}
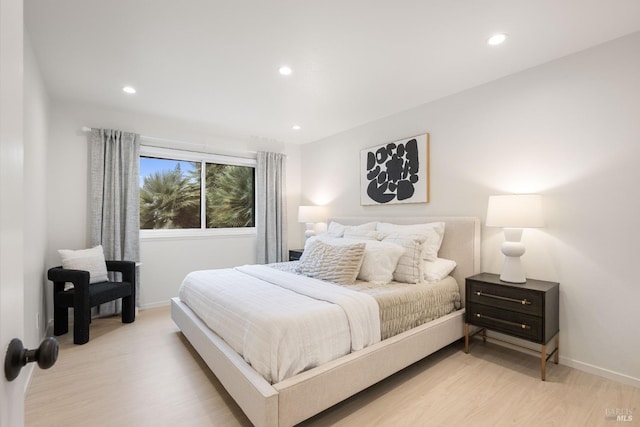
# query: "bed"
{"points": [[296, 398]]}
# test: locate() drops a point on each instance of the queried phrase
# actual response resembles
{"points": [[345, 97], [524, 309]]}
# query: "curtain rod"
{"points": [[173, 141]]}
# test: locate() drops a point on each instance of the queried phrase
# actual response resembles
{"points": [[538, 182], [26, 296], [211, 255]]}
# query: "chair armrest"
{"points": [[127, 268], [59, 275]]}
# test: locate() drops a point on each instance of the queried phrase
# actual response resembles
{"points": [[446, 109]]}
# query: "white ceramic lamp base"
{"points": [[513, 249], [310, 231]]}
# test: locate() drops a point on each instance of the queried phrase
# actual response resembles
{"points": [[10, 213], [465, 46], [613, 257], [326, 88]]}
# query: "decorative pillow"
{"points": [[91, 260], [437, 270], [380, 261], [311, 241], [364, 234], [337, 264], [433, 233], [380, 258], [409, 268], [336, 229]]}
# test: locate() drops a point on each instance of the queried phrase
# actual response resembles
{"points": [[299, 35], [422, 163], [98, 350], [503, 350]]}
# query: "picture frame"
{"points": [[396, 172]]}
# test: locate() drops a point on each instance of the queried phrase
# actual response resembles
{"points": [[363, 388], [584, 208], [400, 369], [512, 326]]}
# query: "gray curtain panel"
{"points": [[114, 199], [271, 212]]}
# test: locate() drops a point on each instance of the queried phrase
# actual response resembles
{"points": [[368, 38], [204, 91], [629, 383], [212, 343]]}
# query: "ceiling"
{"points": [[216, 62]]}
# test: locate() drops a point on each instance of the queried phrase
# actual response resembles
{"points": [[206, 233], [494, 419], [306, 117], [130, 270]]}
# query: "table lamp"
{"points": [[513, 213], [311, 215]]}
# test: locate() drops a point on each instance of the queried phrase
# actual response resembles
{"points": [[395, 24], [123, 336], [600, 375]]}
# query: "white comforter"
{"points": [[281, 323]]}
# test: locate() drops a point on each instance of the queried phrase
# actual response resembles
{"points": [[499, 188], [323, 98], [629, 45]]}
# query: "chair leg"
{"points": [[60, 320], [128, 309], [81, 319]]}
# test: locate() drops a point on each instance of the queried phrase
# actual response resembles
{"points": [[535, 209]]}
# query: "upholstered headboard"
{"points": [[461, 240]]}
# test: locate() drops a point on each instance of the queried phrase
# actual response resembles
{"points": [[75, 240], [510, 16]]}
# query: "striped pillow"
{"points": [[337, 264], [410, 265]]}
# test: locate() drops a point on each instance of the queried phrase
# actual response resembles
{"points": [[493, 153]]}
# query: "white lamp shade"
{"points": [[311, 214], [515, 211]]}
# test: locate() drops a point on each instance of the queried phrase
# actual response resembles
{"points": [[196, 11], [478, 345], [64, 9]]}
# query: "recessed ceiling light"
{"points": [[496, 39], [285, 70], [129, 89], [296, 127]]}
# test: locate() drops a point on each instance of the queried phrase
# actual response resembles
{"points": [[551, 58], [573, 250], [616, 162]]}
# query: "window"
{"points": [[182, 190]]}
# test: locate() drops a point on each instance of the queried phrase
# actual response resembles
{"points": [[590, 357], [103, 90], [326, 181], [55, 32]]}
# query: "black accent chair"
{"points": [[83, 296]]}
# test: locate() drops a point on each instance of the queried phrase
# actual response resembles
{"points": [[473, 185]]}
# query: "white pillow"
{"points": [[91, 260], [337, 264], [433, 233], [380, 261], [409, 268], [380, 258], [336, 229], [364, 234], [437, 270]]}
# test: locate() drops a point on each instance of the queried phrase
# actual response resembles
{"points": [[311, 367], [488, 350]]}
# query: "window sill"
{"points": [[197, 234]]}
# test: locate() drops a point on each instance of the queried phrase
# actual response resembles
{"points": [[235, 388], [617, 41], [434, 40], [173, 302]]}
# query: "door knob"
{"points": [[17, 356]]}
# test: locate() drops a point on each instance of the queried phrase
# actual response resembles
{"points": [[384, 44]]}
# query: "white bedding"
{"points": [[281, 323]]}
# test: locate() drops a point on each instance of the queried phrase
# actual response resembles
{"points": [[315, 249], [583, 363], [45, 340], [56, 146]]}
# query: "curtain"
{"points": [[271, 215], [114, 199]]}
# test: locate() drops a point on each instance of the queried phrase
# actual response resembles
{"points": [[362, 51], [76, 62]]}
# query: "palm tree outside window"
{"points": [[176, 194]]}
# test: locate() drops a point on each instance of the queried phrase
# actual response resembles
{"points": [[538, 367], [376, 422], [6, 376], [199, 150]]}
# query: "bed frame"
{"points": [[308, 393]]}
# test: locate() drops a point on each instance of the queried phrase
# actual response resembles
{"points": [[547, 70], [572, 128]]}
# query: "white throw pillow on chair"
{"points": [[91, 260]]}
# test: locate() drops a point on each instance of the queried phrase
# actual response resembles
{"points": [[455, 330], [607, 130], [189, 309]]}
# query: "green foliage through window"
{"points": [[170, 194], [230, 196]]}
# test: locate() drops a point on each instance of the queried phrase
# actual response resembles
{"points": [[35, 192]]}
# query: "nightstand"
{"points": [[295, 254], [529, 311]]}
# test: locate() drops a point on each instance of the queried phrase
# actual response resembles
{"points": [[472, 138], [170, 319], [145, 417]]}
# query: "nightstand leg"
{"points": [[555, 356], [466, 338], [484, 335], [543, 367]]}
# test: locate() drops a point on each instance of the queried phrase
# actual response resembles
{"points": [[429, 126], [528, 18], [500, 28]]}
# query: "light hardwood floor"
{"points": [[147, 374]]}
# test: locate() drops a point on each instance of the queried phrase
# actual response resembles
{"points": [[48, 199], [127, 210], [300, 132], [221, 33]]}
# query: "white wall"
{"points": [[165, 261], [11, 201], [569, 130], [36, 111]]}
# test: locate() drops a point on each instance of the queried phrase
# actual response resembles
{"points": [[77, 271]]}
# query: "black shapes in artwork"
{"points": [[405, 190], [379, 193], [412, 157], [371, 161], [394, 168], [373, 173], [392, 171]]}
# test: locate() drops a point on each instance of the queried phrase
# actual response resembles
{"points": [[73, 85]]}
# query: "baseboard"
{"points": [[49, 329], [154, 305], [601, 372], [563, 360]]}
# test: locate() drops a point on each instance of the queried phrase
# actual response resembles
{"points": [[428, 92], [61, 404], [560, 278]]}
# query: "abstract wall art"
{"points": [[396, 172]]}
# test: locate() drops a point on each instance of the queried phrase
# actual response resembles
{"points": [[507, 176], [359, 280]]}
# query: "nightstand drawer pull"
{"points": [[523, 302], [522, 325]]}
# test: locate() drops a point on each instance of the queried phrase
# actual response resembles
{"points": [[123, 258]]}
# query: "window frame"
{"points": [[196, 156]]}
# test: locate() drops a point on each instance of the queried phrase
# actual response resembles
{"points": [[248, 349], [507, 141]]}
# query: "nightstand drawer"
{"points": [[506, 297], [512, 323]]}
